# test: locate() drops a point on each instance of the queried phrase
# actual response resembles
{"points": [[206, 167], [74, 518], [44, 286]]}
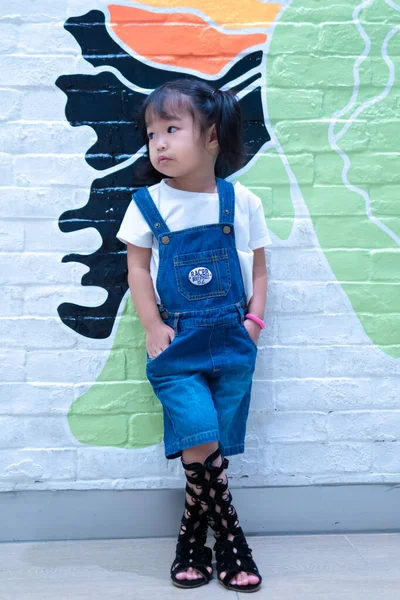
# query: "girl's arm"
{"points": [[258, 300], [141, 285], [158, 334]]}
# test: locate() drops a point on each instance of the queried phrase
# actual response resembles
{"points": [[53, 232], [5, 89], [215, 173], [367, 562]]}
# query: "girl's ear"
{"points": [[212, 138]]}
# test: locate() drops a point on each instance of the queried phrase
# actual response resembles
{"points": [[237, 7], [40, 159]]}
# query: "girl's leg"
{"points": [[197, 454], [231, 547]]}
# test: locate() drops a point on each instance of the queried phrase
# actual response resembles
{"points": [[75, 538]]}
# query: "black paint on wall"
{"points": [[107, 105]]}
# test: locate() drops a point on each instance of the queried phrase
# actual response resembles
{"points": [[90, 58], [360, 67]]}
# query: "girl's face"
{"points": [[176, 146]]}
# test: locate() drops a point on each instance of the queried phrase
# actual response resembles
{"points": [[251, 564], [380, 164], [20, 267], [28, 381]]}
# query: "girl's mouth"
{"points": [[163, 159]]}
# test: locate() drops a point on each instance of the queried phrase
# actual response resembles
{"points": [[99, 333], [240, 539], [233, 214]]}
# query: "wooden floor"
{"points": [[303, 567]]}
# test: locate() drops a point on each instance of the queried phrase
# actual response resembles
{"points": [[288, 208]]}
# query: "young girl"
{"points": [[197, 275]]}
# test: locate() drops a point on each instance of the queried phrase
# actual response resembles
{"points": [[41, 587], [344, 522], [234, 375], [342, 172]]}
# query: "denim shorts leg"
{"points": [[179, 382], [231, 385], [203, 380]]}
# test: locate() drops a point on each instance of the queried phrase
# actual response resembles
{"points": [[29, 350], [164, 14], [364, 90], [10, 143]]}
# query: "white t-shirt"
{"points": [[181, 210]]}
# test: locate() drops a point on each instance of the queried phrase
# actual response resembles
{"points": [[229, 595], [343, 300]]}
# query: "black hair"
{"points": [[207, 106]]}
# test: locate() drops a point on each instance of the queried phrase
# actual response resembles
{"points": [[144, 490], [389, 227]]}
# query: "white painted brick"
{"points": [[31, 10], [101, 463], [35, 399], [29, 465], [385, 391], [44, 301], [375, 425], [32, 333], [294, 297], [11, 301], [299, 265], [46, 137], [349, 361], [11, 237], [68, 366], [6, 169], [23, 70], [287, 426], [9, 34], [254, 462], [27, 268], [10, 104], [288, 362], [37, 203], [50, 170], [303, 234], [139, 483], [320, 329], [12, 365], [326, 457], [262, 395], [46, 235], [264, 365], [336, 300], [324, 394], [33, 35], [34, 432], [46, 104], [386, 457]]}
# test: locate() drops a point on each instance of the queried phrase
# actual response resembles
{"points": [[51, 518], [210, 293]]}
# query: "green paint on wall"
{"points": [[268, 169], [120, 409], [364, 257]]}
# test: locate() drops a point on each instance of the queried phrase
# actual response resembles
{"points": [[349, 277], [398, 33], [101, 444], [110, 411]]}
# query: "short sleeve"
{"points": [[134, 228], [259, 234]]}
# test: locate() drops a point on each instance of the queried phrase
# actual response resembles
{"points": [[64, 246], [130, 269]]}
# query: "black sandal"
{"points": [[228, 551], [194, 524]]}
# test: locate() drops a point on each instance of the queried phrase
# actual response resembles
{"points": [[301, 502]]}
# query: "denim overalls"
{"points": [[203, 379]]}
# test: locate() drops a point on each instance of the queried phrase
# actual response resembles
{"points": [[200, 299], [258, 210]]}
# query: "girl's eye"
{"points": [[172, 127], [150, 135]]}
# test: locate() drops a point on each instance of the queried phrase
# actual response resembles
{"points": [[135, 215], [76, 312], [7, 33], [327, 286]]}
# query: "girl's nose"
{"points": [[161, 144]]}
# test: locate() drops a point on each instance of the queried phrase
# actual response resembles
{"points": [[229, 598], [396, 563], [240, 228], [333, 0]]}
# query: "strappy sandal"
{"points": [[228, 552], [193, 554]]}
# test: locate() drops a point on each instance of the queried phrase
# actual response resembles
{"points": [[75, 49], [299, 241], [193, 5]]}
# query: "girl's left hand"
{"points": [[253, 330]]}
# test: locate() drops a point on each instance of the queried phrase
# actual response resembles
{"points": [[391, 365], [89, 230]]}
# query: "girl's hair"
{"points": [[207, 106]]}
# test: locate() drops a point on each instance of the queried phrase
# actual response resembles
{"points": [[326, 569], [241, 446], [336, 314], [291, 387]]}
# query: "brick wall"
{"points": [[322, 115]]}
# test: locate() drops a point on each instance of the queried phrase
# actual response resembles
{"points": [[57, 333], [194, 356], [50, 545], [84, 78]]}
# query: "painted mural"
{"points": [[324, 155]]}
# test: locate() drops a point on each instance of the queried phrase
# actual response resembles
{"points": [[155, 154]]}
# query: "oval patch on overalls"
{"points": [[200, 276]]}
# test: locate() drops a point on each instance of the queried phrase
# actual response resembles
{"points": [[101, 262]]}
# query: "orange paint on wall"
{"points": [[179, 39], [229, 13]]}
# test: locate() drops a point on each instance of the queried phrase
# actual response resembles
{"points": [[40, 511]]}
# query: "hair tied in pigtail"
{"points": [[215, 94]]}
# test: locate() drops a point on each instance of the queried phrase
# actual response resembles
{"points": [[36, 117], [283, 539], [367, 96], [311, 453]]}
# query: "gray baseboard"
{"points": [[110, 514]]}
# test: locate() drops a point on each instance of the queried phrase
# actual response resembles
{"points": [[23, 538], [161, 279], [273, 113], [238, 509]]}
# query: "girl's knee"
{"points": [[199, 453]]}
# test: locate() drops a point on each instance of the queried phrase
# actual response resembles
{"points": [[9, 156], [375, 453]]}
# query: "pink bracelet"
{"points": [[257, 320]]}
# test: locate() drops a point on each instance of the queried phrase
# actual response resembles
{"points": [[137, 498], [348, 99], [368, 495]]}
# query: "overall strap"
{"points": [[150, 212], [226, 195]]}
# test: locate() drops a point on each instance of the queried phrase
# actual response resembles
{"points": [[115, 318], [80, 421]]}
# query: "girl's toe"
{"points": [[182, 575]]}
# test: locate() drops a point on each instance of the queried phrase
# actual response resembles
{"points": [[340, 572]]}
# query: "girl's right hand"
{"points": [[158, 338]]}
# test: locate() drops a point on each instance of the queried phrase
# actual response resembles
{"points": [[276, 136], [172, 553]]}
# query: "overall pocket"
{"points": [[162, 353], [247, 335], [169, 322], [202, 275]]}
